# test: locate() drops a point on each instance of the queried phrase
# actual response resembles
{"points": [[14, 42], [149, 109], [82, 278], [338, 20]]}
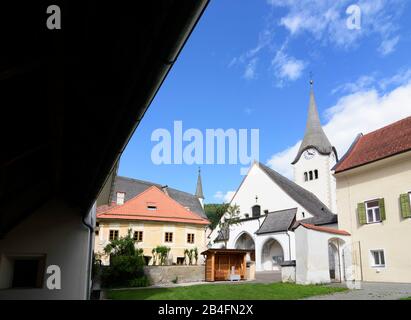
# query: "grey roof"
{"points": [[278, 221], [133, 187], [314, 136], [321, 213], [199, 189]]}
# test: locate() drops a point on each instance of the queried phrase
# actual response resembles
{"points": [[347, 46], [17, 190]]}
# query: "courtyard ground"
{"points": [[226, 291], [372, 291]]}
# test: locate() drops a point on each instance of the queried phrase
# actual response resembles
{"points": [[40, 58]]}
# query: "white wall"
{"points": [[312, 263], [58, 232], [323, 187]]}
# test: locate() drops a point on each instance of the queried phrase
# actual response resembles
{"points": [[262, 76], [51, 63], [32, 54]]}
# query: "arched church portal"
{"points": [[246, 242], [272, 255]]}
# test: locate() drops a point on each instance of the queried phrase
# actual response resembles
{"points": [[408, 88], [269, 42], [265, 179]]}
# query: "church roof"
{"points": [[321, 213], [379, 144], [133, 187], [278, 221], [314, 136], [199, 190]]}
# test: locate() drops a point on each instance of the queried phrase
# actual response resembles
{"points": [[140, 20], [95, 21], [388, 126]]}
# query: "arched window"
{"points": [[305, 176], [311, 175], [256, 210], [316, 174]]}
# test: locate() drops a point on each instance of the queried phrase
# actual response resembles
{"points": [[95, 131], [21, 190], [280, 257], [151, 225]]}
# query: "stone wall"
{"points": [[166, 274]]}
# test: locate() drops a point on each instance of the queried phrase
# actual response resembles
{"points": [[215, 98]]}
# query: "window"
{"points": [[256, 211], [305, 176], [138, 236], [28, 272], [316, 174], [168, 237], [120, 198], [373, 211], [311, 175], [113, 235], [378, 259], [190, 237], [151, 207]]}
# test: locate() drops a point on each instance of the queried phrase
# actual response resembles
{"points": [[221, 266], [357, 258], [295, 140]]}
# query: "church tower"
{"points": [[315, 159], [199, 189]]}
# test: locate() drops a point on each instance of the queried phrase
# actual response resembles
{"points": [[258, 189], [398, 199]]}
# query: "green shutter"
{"points": [[381, 203], [362, 219], [405, 205]]}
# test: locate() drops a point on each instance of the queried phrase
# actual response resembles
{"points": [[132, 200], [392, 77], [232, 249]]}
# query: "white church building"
{"points": [[289, 223]]}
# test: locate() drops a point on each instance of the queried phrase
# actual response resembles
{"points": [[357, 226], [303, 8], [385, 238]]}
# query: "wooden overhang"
{"points": [[72, 98]]}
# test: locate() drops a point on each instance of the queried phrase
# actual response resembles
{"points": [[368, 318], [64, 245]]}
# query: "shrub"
{"points": [[139, 282], [160, 255], [126, 262]]}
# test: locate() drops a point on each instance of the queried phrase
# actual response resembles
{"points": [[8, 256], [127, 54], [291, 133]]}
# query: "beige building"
{"points": [[373, 200], [156, 216]]}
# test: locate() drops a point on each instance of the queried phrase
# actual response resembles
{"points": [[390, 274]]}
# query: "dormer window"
{"points": [[120, 198]]}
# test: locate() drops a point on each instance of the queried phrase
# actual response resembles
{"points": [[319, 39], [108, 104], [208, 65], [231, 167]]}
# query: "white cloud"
{"points": [[388, 45], [225, 197], [359, 112], [249, 72], [286, 67], [250, 57], [363, 82], [326, 20], [367, 82]]}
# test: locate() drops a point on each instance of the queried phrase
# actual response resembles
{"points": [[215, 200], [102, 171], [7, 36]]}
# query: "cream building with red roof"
{"points": [[156, 216], [373, 200]]}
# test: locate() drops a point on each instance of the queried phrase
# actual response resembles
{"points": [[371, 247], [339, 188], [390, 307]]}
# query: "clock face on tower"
{"points": [[309, 153]]}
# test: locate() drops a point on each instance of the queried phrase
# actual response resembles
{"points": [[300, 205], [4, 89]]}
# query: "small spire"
{"points": [[199, 190]]}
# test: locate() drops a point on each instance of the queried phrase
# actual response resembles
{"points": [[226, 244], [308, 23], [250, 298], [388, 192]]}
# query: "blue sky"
{"points": [[247, 64]]}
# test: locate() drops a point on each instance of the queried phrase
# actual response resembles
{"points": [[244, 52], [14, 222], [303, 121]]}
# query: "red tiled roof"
{"points": [[325, 229], [382, 143], [136, 208]]}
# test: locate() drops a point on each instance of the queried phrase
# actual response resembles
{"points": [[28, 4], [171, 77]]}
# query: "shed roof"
{"points": [[278, 221]]}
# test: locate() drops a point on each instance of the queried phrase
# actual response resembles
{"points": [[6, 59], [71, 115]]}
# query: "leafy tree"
{"points": [[231, 218], [214, 212]]}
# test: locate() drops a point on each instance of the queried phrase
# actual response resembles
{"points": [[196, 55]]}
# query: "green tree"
{"points": [[231, 218], [214, 212]]}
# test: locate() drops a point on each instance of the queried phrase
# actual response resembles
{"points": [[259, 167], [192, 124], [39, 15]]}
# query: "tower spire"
{"points": [[314, 136], [199, 190]]}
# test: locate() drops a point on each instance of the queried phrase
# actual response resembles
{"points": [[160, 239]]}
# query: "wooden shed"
{"points": [[225, 264]]}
